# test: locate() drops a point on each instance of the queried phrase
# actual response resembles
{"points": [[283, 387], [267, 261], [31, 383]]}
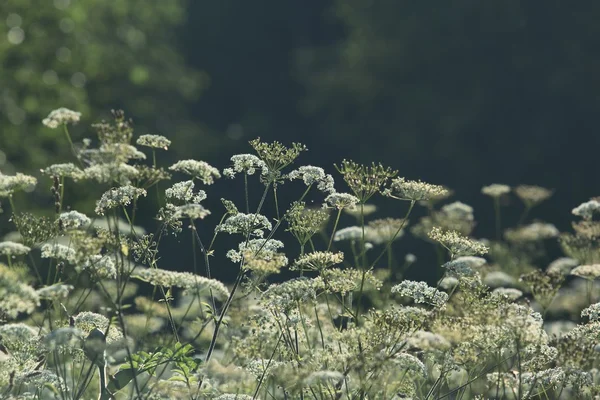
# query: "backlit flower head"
{"points": [[66, 170], [246, 163], [495, 190], [12, 249], [340, 200], [184, 191], [154, 141], [318, 260], [10, 184], [420, 292], [198, 170], [587, 210], [61, 116], [590, 272], [365, 180], [245, 224], [414, 190], [73, 220], [457, 244], [120, 196], [532, 195]]}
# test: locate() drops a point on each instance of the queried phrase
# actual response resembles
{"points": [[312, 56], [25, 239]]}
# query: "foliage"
{"points": [[93, 310]]}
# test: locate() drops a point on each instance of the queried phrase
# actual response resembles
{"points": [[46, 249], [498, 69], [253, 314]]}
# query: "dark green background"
{"points": [[462, 93]]}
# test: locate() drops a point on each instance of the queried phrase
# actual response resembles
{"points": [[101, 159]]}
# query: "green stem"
{"points": [[337, 219]]}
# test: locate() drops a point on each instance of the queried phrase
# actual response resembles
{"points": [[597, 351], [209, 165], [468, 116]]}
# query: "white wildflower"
{"points": [[349, 233], [497, 279], [411, 363], [318, 260], [120, 196], [532, 232], [245, 224], [86, 321], [495, 190], [257, 247], [288, 294], [562, 265], [154, 141], [246, 163], [190, 211], [420, 292], [459, 211], [311, 175], [102, 266], [197, 169], [73, 220], [587, 210], [232, 396], [402, 189], [184, 191], [448, 282], [59, 252], [592, 312], [11, 249], [10, 184], [66, 170], [323, 378], [509, 293], [192, 283], [532, 195], [425, 340], [58, 291], [109, 172], [589, 272], [61, 116], [382, 231], [15, 297], [340, 200], [457, 244]]}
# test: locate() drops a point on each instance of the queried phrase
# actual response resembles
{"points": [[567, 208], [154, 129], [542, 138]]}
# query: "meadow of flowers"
{"points": [[91, 309]]}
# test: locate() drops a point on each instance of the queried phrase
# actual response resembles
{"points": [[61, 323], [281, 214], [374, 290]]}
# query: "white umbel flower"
{"points": [[154, 141], [246, 163], [197, 169], [245, 224], [12, 249], [61, 116], [589, 272], [120, 196], [184, 191], [420, 292], [10, 184], [73, 220], [495, 190], [414, 190], [587, 210]]}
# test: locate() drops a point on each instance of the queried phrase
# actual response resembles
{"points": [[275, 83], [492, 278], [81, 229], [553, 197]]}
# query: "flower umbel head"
{"points": [[154, 141], [120, 196], [457, 244], [61, 116], [414, 190], [365, 180], [197, 169]]}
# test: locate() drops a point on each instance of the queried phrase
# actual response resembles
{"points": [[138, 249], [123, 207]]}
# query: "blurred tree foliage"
{"points": [[463, 92], [90, 56]]}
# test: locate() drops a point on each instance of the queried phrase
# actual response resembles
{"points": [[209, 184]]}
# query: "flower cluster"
{"points": [[414, 190], [420, 292], [154, 141], [120, 196], [198, 170], [61, 116], [457, 244]]}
